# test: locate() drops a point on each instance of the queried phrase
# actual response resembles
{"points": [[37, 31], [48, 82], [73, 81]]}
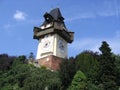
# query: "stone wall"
{"points": [[50, 62]]}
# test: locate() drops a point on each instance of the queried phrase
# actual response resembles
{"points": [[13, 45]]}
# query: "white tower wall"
{"points": [[52, 45]]}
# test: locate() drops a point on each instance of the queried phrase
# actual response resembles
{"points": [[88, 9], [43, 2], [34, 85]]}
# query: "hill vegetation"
{"points": [[87, 71]]}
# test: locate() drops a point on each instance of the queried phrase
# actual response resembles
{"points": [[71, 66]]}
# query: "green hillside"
{"points": [[87, 71]]}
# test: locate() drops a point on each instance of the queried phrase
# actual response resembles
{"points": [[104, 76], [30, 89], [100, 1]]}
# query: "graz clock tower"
{"points": [[53, 37]]}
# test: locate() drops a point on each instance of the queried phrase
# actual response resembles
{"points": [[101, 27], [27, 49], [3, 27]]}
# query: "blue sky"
{"points": [[92, 21]]}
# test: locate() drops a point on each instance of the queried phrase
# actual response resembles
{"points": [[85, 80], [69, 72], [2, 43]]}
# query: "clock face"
{"points": [[61, 45], [46, 44]]}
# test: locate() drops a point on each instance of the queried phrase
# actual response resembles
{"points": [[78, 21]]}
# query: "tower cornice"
{"points": [[39, 33]]}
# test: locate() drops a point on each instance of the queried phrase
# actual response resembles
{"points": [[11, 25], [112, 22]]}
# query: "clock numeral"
{"points": [[61, 45], [46, 44]]}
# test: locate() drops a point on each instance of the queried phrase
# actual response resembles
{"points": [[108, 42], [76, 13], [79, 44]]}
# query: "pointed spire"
{"points": [[56, 14]]}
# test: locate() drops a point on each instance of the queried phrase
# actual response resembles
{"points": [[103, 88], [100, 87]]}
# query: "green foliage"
{"points": [[22, 58], [79, 82], [88, 63], [107, 68], [26, 77], [67, 72], [42, 78], [31, 57], [6, 62], [117, 64], [94, 72], [43, 67], [92, 86]]}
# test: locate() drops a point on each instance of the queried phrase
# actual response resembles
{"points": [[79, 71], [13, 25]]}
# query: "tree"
{"points": [[87, 62], [22, 58], [107, 68], [79, 82], [117, 63], [6, 62], [39, 79], [24, 76], [67, 72], [31, 56]]}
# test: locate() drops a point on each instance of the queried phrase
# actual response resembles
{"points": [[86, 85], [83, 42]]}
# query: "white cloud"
{"points": [[106, 8], [81, 16], [19, 15], [85, 44], [94, 43], [91, 15]]}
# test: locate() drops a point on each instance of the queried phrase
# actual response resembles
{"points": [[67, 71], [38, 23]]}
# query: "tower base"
{"points": [[50, 62]]}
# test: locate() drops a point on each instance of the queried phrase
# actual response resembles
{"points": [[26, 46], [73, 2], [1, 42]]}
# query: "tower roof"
{"points": [[56, 14], [53, 16], [54, 23]]}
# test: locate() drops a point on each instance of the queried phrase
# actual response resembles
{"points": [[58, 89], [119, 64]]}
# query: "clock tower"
{"points": [[53, 37]]}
